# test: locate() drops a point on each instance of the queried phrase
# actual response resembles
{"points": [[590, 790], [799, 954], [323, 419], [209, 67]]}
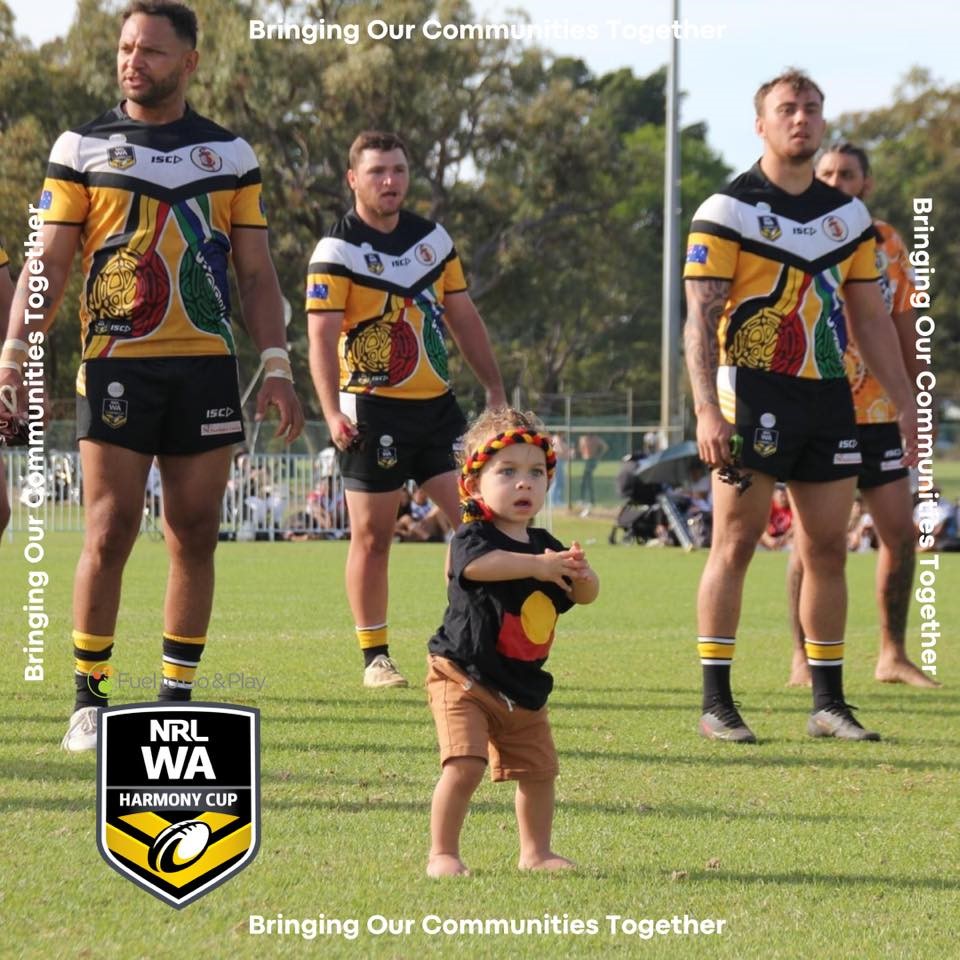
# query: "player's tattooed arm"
{"points": [[705, 303]]}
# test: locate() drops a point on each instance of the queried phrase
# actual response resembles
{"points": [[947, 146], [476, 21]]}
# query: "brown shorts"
{"points": [[474, 721]]}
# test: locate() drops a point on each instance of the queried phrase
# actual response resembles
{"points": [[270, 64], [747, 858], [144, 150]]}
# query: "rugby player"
{"points": [[382, 288], [778, 264], [160, 201]]}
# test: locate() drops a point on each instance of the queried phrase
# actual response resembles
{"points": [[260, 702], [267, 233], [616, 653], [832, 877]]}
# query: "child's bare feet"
{"points": [[446, 865], [551, 861]]}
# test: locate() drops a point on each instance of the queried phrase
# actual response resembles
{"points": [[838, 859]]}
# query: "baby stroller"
{"points": [[641, 516], [651, 511]]}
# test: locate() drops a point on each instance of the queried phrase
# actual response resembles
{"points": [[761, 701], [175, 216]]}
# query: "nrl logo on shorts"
{"points": [[387, 452], [178, 795], [114, 413], [121, 157], [769, 227], [374, 263], [765, 442]]}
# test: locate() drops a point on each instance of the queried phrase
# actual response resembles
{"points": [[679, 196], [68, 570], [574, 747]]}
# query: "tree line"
{"points": [[548, 176]]}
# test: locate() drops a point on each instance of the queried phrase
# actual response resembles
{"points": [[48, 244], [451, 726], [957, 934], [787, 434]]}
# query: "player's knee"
{"points": [[195, 534], [826, 554], [736, 549], [110, 538]]}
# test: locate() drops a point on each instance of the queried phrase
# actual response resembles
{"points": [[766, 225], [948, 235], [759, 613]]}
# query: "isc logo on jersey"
{"points": [[178, 795]]}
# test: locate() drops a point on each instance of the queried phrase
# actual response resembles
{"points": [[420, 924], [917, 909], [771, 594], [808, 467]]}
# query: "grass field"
{"points": [[805, 848]]}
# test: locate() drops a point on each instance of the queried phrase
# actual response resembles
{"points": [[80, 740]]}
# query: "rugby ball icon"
{"points": [[179, 845]]}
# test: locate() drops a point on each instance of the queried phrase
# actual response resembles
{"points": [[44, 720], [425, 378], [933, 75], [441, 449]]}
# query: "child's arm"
{"points": [[559, 567], [586, 583]]}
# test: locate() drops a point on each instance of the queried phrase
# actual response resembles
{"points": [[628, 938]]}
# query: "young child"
{"points": [[486, 682]]}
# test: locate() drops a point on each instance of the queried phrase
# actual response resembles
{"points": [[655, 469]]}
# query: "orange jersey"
{"points": [[156, 204], [896, 280], [390, 288]]}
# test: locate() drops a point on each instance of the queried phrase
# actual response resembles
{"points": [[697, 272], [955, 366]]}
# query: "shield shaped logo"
{"points": [[114, 413], [121, 157], [769, 227], [374, 263], [178, 795], [765, 442]]}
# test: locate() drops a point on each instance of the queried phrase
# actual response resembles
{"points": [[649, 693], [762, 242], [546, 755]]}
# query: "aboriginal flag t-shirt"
{"points": [[500, 633]]}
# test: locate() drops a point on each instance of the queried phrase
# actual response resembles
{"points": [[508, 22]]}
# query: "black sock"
{"points": [[84, 696], [371, 653], [716, 685], [827, 686]]}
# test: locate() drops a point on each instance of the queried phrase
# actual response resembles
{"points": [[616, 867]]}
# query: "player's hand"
{"points": [[14, 392], [278, 392], [908, 432], [713, 437], [343, 431]]}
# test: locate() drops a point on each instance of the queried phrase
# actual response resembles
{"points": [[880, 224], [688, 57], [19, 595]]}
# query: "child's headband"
{"points": [[472, 507]]}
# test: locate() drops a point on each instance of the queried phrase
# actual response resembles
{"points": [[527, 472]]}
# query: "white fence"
{"points": [[268, 497]]}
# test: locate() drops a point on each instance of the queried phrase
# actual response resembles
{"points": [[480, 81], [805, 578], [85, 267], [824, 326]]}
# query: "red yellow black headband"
{"points": [[472, 507]]}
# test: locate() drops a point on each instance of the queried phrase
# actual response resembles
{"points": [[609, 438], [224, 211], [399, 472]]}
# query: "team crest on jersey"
{"points": [[769, 227], [374, 263], [178, 795], [114, 412], [206, 159], [835, 228], [121, 156], [425, 254], [765, 442]]}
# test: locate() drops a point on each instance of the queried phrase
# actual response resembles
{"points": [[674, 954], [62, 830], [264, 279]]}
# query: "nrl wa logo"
{"points": [[178, 795]]}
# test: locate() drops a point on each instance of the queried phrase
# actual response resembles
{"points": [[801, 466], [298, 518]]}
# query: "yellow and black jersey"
{"points": [[156, 204], [390, 288], [870, 400], [787, 258], [4, 259]]}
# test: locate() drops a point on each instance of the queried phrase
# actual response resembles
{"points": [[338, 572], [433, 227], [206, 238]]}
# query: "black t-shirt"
{"points": [[500, 632]]}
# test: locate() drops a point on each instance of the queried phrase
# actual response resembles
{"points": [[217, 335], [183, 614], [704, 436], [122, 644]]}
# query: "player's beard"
{"points": [[157, 93]]}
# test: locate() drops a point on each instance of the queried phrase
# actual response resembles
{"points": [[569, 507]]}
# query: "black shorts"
{"points": [[882, 451], [399, 440], [793, 428], [161, 405]]}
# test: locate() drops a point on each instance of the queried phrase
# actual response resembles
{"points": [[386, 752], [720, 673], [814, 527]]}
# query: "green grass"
{"points": [[814, 848]]}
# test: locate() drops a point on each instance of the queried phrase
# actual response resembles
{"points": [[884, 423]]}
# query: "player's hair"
{"points": [[375, 140], [181, 17], [845, 146], [798, 81], [494, 421]]}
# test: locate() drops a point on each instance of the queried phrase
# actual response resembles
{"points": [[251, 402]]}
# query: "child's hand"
{"points": [[557, 566], [583, 570]]}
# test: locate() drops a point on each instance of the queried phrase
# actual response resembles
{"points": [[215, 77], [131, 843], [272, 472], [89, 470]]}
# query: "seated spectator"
{"points": [[424, 522], [937, 525], [779, 532], [861, 532]]}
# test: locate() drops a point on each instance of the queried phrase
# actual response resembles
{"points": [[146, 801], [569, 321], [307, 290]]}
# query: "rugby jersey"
{"points": [[390, 288], [870, 400], [157, 204], [787, 258]]}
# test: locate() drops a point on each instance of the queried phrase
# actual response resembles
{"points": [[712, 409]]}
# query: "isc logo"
{"points": [[189, 761], [166, 158], [847, 444]]}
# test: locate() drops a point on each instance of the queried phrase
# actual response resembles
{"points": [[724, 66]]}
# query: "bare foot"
{"points": [[551, 861], [799, 670], [446, 865], [901, 670]]}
